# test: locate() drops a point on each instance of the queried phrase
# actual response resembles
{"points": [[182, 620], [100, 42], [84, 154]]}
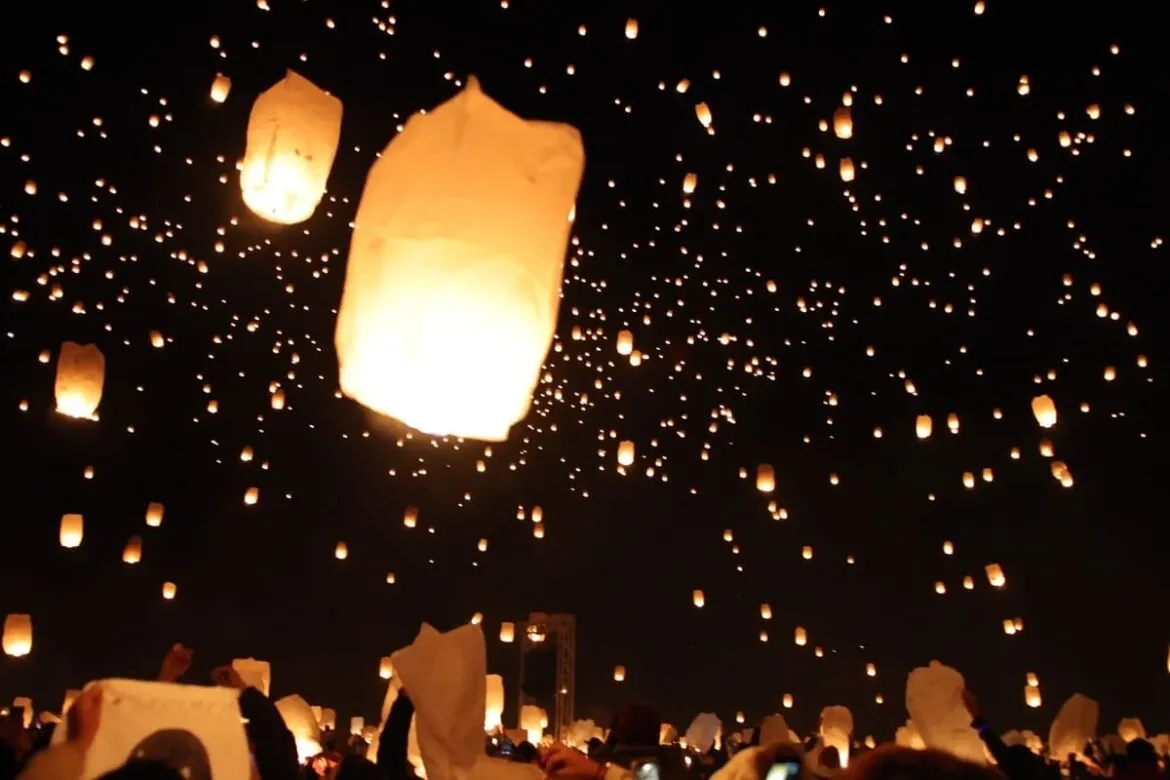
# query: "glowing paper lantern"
{"points": [[1032, 696], [698, 599], [507, 632], [787, 701], [455, 265], [1044, 409], [410, 517], [800, 636], [625, 455], [847, 174], [923, 426], [836, 729], [72, 529], [619, 674], [169, 589], [703, 112], [251, 496], [934, 701], [765, 478], [255, 674], [220, 87], [843, 122], [870, 670], [1130, 729], [1032, 679], [293, 132], [385, 668], [1074, 726], [766, 611], [690, 181], [995, 575], [493, 702], [341, 552], [625, 342], [18, 635], [81, 372], [132, 553], [154, 514], [631, 28]]}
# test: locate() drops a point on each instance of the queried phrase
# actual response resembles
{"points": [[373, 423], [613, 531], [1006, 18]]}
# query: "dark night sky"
{"points": [[1084, 565]]}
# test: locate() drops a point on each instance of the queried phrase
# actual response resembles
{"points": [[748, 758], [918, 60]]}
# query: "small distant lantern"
{"points": [[625, 455], [787, 701], [625, 342], [81, 373], [132, 552], [154, 514], [800, 636], [385, 668], [221, 85], [923, 426], [631, 28], [690, 181], [169, 589], [698, 599], [843, 123], [619, 674], [251, 496], [765, 478], [72, 529], [766, 611], [1044, 409], [341, 551], [806, 552], [18, 635], [507, 632], [968, 583], [995, 575], [870, 670], [846, 170], [410, 517], [1032, 696]]}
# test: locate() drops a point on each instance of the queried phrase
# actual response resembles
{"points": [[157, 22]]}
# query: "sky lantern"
{"points": [[698, 599], [953, 422], [169, 589], [341, 551], [619, 674], [787, 701], [806, 552], [293, 132], [277, 400], [72, 529], [132, 552], [385, 668], [81, 372], [625, 342], [251, 496], [690, 181], [1044, 409], [703, 112], [445, 329], [995, 575], [410, 517], [843, 122], [154, 514], [969, 583], [765, 478], [18, 635], [221, 85], [960, 185], [846, 169], [870, 670], [507, 632], [800, 636], [766, 611], [631, 28], [493, 702], [923, 426], [537, 514], [625, 454]]}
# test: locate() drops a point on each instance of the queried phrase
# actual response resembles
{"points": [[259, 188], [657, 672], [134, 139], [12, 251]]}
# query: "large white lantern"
{"points": [[18, 635], [293, 133], [81, 373], [455, 265]]}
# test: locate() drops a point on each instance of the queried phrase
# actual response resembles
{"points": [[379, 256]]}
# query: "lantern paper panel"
{"points": [[293, 132], [256, 674], [453, 281], [81, 373]]}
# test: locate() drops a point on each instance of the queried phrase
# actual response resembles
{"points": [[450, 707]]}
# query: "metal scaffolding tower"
{"points": [[562, 631]]}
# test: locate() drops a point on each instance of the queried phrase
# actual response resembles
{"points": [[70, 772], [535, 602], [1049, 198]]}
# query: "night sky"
{"points": [[986, 324]]}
